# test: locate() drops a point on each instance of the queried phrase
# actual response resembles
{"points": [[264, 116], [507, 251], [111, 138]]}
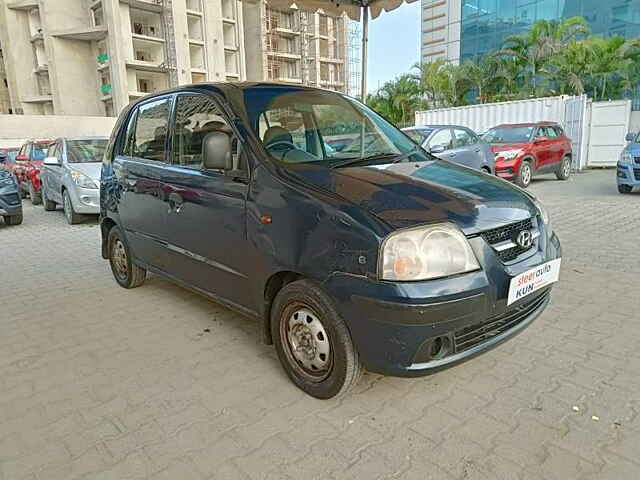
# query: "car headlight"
{"points": [[425, 253], [82, 180], [625, 158], [509, 154]]}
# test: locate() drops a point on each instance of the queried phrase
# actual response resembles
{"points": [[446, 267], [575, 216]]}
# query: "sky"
{"points": [[394, 44]]}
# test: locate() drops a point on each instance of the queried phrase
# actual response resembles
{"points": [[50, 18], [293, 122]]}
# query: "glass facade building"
{"points": [[486, 23]]}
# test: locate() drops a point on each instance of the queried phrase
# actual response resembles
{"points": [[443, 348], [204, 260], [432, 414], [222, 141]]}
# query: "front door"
{"points": [[467, 148], [139, 167], [207, 226], [53, 182], [541, 148]]}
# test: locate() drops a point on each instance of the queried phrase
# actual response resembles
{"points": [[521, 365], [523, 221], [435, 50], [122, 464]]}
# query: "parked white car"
{"points": [[71, 176]]}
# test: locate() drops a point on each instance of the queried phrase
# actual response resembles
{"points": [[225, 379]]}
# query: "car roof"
{"points": [[528, 124], [435, 127], [84, 138]]}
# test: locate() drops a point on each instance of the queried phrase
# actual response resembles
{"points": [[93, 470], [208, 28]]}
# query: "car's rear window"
{"points": [[419, 136]]}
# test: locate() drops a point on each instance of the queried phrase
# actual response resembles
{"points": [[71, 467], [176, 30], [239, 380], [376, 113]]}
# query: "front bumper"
{"points": [[628, 174], [506, 169], [10, 204], [394, 325], [85, 200]]}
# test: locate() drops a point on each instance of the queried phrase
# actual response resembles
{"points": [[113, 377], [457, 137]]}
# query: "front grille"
{"points": [[508, 232], [473, 335], [12, 198], [636, 173]]}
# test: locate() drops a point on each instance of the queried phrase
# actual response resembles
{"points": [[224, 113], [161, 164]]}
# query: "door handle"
{"points": [[175, 202]]}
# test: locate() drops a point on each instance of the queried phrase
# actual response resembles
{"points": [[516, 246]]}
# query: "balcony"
{"points": [[146, 5], [88, 34]]}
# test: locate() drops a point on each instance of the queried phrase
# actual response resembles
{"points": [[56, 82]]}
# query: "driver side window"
{"points": [[290, 120]]}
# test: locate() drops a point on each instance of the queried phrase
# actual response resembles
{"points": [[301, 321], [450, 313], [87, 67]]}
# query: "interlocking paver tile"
{"points": [[97, 382]]}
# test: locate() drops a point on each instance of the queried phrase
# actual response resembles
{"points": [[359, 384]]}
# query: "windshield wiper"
{"points": [[397, 157]]}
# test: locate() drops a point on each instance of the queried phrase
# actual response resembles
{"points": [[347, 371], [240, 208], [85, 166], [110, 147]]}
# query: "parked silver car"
{"points": [[455, 143], [71, 176]]}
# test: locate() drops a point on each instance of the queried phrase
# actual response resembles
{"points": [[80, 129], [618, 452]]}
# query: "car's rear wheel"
{"points": [[36, 198], [69, 213], [624, 188], [564, 171], [313, 342], [13, 219], [525, 173], [49, 205], [126, 273]]}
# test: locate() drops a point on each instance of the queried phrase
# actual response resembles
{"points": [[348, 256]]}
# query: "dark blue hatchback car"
{"points": [[376, 256]]}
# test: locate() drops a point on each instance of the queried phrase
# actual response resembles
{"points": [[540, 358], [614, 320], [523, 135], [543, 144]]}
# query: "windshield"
{"points": [[509, 135], [302, 126], [86, 151], [419, 136]]}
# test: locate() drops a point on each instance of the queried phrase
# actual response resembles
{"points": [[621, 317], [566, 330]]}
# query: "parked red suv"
{"points": [[526, 149], [27, 168]]}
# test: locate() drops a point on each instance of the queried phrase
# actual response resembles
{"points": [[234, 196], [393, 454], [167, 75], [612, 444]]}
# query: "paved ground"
{"points": [[97, 382]]}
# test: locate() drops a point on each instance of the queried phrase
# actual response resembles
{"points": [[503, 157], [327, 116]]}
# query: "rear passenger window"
{"points": [[196, 117], [147, 134]]}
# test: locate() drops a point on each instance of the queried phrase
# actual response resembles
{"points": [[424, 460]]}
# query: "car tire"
{"points": [[69, 213], [625, 188], [49, 205], [564, 170], [36, 198], [304, 316], [12, 219], [125, 271], [525, 173]]}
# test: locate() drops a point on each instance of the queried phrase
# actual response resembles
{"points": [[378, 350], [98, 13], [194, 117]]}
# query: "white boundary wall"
{"points": [[16, 129]]}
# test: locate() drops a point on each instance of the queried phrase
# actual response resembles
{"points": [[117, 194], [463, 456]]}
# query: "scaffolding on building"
{"points": [[354, 43], [168, 31]]}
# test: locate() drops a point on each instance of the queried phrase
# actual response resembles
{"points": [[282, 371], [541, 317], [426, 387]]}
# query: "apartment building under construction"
{"points": [[93, 57]]}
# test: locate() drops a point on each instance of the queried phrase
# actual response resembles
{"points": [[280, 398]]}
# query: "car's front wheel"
{"points": [[126, 273], [49, 205], [523, 179], [564, 171], [69, 213], [13, 219], [624, 188], [36, 198], [313, 342]]}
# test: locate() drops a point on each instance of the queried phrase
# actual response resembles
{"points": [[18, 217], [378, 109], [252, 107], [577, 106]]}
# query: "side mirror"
{"points": [[216, 152], [540, 139], [437, 149], [21, 158], [53, 161], [631, 136]]}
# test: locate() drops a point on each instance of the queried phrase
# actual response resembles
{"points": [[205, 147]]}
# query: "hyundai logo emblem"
{"points": [[524, 239]]}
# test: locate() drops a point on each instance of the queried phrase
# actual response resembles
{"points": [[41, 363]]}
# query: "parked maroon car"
{"points": [[27, 168], [527, 149]]}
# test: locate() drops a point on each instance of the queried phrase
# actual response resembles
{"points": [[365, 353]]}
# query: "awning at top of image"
{"points": [[352, 8]]}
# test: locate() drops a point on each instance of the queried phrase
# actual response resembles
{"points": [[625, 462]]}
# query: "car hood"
{"points": [[91, 170], [410, 193], [501, 147]]}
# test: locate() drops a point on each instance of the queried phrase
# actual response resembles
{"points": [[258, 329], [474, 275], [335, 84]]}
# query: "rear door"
{"points": [[467, 148], [139, 167], [541, 148], [206, 221]]}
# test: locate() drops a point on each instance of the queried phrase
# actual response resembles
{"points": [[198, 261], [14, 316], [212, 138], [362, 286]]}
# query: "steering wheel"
{"points": [[282, 142]]}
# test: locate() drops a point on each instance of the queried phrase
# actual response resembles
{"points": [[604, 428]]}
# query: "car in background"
{"points": [[71, 176], [628, 171], [455, 143], [10, 201], [11, 153], [27, 168], [526, 149]]}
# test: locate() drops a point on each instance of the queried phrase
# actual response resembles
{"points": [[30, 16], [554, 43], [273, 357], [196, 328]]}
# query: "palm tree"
{"points": [[398, 99], [432, 81], [534, 48], [569, 69]]}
